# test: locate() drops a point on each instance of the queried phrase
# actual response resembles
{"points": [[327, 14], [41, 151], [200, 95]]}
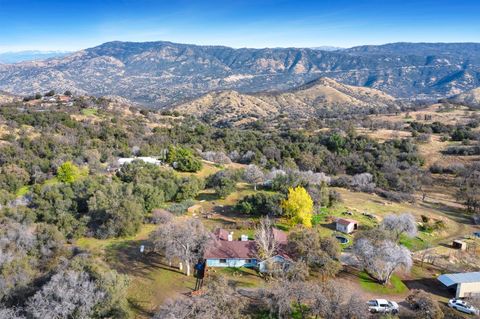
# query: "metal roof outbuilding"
{"points": [[460, 278]]}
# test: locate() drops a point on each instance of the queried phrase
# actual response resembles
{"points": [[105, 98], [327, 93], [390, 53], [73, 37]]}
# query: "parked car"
{"points": [[463, 306], [382, 306]]}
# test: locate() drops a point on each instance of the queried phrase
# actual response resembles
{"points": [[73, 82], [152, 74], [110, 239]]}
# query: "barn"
{"points": [[465, 284]]}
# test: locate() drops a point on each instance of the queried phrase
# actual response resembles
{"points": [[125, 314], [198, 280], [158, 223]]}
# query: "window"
{"points": [[250, 261], [223, 261]]}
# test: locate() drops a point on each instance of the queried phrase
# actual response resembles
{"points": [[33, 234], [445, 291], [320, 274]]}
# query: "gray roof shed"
{"points": [[460, 278]]}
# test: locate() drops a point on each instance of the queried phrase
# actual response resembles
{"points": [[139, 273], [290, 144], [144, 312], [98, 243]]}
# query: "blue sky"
{"points": [[72, 25]]}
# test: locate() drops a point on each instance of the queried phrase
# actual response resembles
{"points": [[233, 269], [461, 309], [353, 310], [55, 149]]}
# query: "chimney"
{"points": [[230, 236]]}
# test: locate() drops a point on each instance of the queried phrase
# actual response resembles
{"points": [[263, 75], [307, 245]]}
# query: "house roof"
{"points": [[279, 235], [276, 256], [346, 221], [231, 249], [460, 278], [221, 248], [221, 233]]}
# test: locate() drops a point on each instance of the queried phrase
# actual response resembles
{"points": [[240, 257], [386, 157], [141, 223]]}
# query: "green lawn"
{"points": [[396, 285], [90, 112], [153, 285], [242, 277], [358, 203], [95, 245], [415, 243], [152, 281], [207, 170]]}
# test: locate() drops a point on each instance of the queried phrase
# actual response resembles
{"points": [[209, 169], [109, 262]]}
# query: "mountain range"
{"points": [[159, 74]]}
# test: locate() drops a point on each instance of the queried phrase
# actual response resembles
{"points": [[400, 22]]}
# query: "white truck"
{"points": [[382, 306]]}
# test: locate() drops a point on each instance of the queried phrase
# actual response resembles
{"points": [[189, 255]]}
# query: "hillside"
{"points": [[68, 163], [6, 97], [161, 73], [316, 98], [470, 98]]}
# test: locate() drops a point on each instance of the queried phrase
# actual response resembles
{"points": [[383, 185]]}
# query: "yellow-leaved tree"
{"points": [[299, 206]]}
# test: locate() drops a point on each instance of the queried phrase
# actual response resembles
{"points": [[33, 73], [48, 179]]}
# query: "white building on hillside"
{"points": [[128, 160], [346, 226]]}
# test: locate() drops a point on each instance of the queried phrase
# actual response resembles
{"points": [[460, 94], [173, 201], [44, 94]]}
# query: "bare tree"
{"points": [[267, 246], [425, 180], [382, 258], [68, 294], [309, 299], [24, 250], [355, 308], [10, 313], [327, 301], [424, 305], [363, 182], [218, 300], [181, 308], [330, 302], [161, 216], [469, 190], [216, 157], [184, 239], [274, 173], [283, 293], [321, 254], [254, 175], [400, 224]]}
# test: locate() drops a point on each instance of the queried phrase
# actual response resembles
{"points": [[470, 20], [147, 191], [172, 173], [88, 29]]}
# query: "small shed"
{"points": [[458, 244], [346, 225], [465, 284]]}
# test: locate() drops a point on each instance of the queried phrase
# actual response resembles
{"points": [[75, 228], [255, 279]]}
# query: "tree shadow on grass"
{"points": [[137, 307], [431, 285], [451, 212], [331, 226], [126, 258], [207, 197]]}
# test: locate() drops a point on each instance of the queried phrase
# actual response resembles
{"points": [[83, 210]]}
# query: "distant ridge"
{"points": [[21, 56], [159, 74]]}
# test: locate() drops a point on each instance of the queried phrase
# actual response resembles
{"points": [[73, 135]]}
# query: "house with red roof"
{"points": [[225, 251]]}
